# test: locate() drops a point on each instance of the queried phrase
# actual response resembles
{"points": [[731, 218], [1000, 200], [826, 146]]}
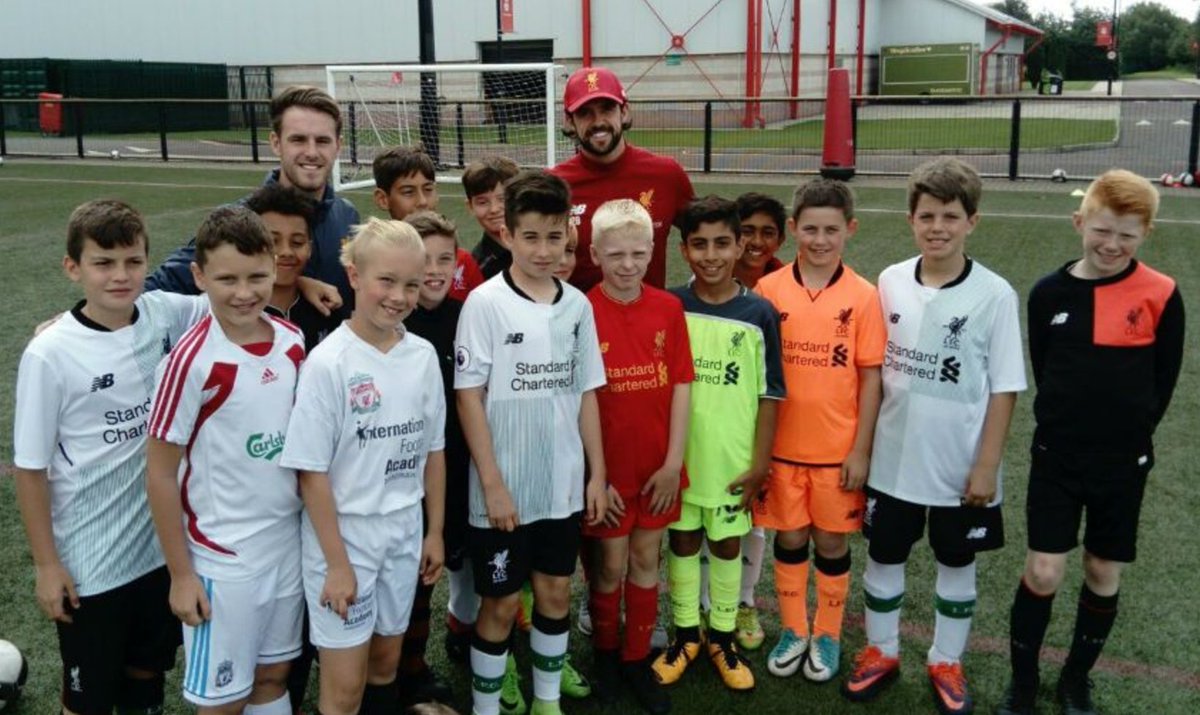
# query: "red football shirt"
{"points": [[646, 354], [658, 182], [466, 275]]}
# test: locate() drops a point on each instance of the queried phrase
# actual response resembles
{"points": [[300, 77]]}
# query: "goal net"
{"points": [[459, 113]]}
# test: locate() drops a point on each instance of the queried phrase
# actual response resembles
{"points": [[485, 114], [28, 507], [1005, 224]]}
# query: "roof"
{"points": [[997, 18]]}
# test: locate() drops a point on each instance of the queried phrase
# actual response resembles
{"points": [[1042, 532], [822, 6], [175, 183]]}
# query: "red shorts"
{"points": [[797, 496], [637, 516]]}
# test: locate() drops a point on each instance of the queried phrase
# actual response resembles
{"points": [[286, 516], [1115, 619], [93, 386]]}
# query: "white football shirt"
{"points": [[228, 409], [82, 401], [369, 420], [536, 361], [948, 350]]}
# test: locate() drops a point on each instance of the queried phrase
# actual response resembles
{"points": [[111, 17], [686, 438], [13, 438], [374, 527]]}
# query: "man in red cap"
{"points": [[608, 167]]}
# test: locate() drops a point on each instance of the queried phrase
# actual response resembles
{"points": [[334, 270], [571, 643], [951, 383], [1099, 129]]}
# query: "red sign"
{"points": [[506, 16], [1104, 36]]}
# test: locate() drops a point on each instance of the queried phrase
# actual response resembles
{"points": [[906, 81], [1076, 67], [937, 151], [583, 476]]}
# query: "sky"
{"points": [[1184, 8]]}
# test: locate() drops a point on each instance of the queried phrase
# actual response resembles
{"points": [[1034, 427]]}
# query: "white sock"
{"points": [[884, 585], [705, 601], [463, 603], [488, 670], [280, 706], [549, 652], [955, 606], [753, 545]]}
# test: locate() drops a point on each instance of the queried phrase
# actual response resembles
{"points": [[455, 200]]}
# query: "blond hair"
{"points": [[622, 216], [378, 232], [1124, 193]]}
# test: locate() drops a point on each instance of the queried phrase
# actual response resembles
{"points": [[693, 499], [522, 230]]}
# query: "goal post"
{"points": [[458, 112]]}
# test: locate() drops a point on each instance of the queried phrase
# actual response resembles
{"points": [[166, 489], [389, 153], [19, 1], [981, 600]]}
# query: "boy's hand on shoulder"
{"points": [[855, 469], [663, 488], [53, 586], [981, 486], [616, 508], [188, 600], [596, 500], [502, 514], [340, 590], [323, 296], [748, 486], [433, 556]]}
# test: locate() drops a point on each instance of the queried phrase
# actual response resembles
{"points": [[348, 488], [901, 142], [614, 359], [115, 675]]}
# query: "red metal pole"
{"points": [[758, 61], [833, 33], [862, 24], [794, 105], [585, 9], [748, 112]]}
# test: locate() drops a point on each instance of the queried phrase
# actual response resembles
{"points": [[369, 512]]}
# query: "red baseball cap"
{"points": [[588, 83]]}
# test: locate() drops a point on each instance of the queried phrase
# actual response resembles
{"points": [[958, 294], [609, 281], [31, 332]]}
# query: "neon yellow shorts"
{"points": [[718, 523]]}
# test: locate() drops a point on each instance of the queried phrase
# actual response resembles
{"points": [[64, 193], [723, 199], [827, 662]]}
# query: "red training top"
{"points": [[466, 275]]}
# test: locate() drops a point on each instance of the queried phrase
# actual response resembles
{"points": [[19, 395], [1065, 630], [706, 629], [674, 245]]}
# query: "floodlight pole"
{"points": [[1115, 69], [430, 120]]}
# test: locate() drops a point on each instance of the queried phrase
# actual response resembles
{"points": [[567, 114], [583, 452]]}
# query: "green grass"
{"points": [[1176, 72], [1152, 657]]}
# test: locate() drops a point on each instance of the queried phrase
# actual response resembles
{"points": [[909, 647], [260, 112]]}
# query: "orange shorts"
{"points": [[798, 496], [637, 515]]}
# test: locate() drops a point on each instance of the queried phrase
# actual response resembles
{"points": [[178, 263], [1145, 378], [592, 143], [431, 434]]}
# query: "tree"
{"points": [[1148, 33], [1014, 8]]}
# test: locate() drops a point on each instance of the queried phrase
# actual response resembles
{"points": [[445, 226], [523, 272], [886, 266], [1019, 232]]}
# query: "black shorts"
{"points": [[501, 561], [956, 533], [1062, 486], [129, 626]]}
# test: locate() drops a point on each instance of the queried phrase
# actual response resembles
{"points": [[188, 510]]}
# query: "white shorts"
{"points": [[254, 622], [385, 552]]}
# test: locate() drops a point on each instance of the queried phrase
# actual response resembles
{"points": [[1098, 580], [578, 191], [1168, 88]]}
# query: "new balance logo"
{"points": [[1059, 319], [269, 376], [103, 382], [840, 355], [979, 532], [951, 369], [514, 338]]}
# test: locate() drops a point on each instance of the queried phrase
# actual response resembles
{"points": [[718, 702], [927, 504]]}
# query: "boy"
{"points": [[226, 512], [406, 181], [643, 416], [287, 214], [528, 364], [833, 342], [82, 397], [734, 337], [951, 373], [483, 182], [762, 218], [366, 435], [1103, 319]]}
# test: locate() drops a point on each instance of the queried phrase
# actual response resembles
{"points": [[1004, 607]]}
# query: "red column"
{"points": [[585, 9], [862, 25], [794, 106], [833, 33]]}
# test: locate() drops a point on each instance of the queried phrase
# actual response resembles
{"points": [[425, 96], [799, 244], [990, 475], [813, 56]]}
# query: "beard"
{"points": [[586, 144]]}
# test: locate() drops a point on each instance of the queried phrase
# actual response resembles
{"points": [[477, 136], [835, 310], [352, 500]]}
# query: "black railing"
{"points": [[1015, 137]]}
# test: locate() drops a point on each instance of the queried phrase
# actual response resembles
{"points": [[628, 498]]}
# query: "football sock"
{"points": [[724, 583], [791, 587], [833, 584], [281, 706], [683, 575], [412, 649], [1028, 619], [606, 619], [883, 594], [463, 604], [548, 646], [955, 604], [141, 696], [705, 602], [1093, 621], [488, 660], [753, 545], [379, 699], [641, 613]]}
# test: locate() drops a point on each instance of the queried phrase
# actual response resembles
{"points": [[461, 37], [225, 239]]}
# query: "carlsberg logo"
{"points": [[264, 446]]}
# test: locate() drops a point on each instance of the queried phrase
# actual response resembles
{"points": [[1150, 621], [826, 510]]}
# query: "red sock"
{"points": [[641, 613], [458, 627], [606, 620]]}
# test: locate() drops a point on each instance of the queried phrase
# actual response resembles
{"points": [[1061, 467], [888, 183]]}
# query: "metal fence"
{"points": [[1017, 137]]}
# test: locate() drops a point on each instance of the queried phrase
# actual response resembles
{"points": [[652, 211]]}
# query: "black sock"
{"points": [[1028, 619], [1093, 621], [380, 700], [687, 634]]}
